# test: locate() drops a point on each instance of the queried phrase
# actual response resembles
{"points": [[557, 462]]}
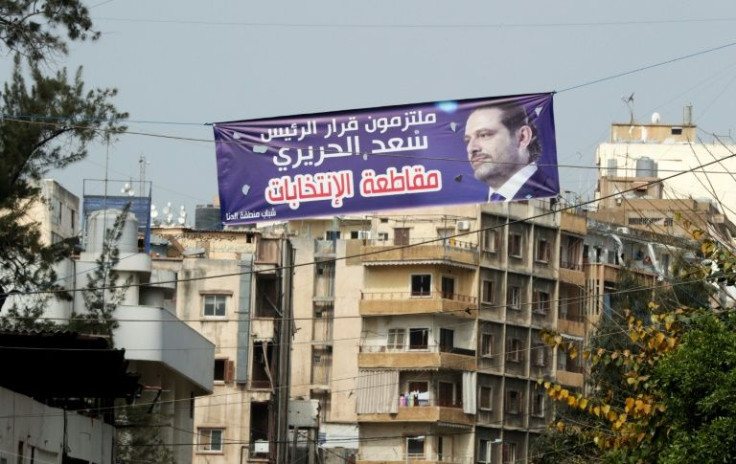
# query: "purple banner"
{"points": [[468, 151]]}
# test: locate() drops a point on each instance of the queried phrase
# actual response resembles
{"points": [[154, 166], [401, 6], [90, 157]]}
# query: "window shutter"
{"points": [[229, 371]]}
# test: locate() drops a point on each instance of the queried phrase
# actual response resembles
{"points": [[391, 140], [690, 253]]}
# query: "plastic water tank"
{"points": [[646, 167], [100, 221]]}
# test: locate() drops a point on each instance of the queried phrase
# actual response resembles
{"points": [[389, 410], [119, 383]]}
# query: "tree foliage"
{"points": [[103, 292], [39, 28], [47, 120], [139, 437], [661, 379]]}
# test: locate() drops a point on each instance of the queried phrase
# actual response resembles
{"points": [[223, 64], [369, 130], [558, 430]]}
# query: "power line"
{"points": [[394, 248], [500, 25], [74, 122], [644, 68]]}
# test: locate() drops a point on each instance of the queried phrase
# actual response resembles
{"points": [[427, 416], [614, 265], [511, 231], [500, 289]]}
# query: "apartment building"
{"points": [[235, 289], [167, 356], [418, 331], [690, 163]]}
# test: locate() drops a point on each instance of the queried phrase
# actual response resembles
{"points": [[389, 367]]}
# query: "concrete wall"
{"points": [[41, 427]]}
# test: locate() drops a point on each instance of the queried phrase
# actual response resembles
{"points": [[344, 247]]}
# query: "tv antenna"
{"points": [[629, 102]]}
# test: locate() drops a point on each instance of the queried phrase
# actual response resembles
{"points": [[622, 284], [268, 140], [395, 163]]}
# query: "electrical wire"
{"points": [[572, 207]]}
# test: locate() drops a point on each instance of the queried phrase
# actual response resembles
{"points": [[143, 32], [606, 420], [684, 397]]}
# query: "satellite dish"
{"points": [[656, 118], [154, 212]]}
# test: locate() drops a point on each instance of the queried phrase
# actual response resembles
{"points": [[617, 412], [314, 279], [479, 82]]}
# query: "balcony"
{"points": [[423, 413], [380, 356], [571, 325], [376, 303], [438, 251], [574, 223], [155, 335], [572, 273]]}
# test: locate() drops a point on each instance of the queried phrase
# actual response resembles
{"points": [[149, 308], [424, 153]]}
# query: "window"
{"points": [[539, 356], [446, 233], [487, 292], [513, 402], [332, 235], [515, 245], [514, 352], [220, 366], [513, 297], [541, 302], [360, 234], [383, 236], [484, 451], [489, 240], [486, 345], [485, 398], [210, 440], [214, 305], [509, 453], [538, 404], [396, 339], [421, 285], [55, 207], [418, 339], [415, 448], [543, 250]]}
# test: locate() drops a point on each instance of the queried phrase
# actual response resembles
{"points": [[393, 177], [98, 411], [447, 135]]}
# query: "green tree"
{"points": [[103, 292], [48, 120], [139, 435], [662, 377]]}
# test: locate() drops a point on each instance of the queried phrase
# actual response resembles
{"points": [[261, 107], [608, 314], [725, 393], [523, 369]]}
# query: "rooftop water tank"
{"points": [[100, 221], [646, 167], [207, 217]]}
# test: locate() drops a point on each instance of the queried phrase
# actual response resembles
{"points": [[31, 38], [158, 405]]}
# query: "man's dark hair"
{"points": [[514, 116]]}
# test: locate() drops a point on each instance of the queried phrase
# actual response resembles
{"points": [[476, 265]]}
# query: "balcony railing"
{"points": [[572, 265], [378, 303], [429, 241], [407, 401], [572, 317], [432, 294], [382, 347], [412, 457], [445, 250]]}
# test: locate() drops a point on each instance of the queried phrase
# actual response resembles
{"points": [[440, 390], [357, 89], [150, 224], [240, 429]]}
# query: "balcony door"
{"points": [[401, 236], [448, 288], [447, 394], [447, 340]]}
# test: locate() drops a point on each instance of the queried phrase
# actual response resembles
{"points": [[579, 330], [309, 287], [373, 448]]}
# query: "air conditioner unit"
{"points": [[260, 447], [463, 225]]}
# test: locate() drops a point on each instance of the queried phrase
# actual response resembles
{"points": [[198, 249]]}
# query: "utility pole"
{"points": [[283, 345]]}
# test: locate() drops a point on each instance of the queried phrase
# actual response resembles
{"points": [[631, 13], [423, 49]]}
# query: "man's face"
{"points": [[494, 152]]}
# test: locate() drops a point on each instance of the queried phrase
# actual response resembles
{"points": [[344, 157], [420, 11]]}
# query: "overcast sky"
{"points": [[181, 64]]}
